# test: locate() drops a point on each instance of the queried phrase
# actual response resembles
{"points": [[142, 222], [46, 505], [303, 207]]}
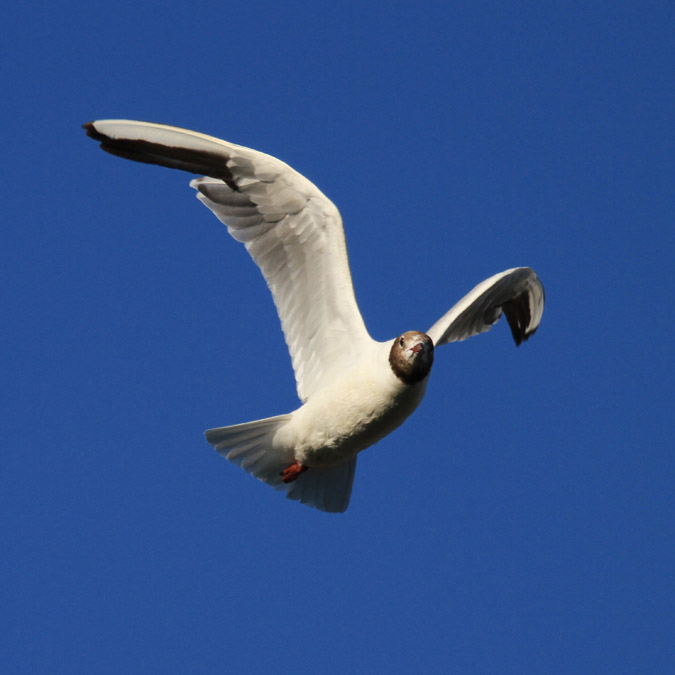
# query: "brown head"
{"points": [[411, 356]]}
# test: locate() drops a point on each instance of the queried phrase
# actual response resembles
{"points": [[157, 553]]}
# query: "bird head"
{"points": [[411, 356]]}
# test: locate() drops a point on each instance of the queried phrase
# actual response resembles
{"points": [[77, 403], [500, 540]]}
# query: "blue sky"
{"points": [[520, 521]]}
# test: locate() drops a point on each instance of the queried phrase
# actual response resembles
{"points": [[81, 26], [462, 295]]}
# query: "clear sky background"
{"points": [[520, 521]]}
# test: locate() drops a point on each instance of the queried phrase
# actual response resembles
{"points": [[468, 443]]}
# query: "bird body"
{"points": [[363, 405], [354, 390], [360, 407]]}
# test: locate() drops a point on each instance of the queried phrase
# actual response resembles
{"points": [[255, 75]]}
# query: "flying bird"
{"points": [[354, 390]]}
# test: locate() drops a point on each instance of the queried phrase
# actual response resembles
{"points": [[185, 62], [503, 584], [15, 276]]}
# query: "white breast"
{"points": [[359, 408]]}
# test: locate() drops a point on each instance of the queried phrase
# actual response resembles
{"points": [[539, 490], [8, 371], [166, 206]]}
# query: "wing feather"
{"points": [[291, 230], [517, 292]]}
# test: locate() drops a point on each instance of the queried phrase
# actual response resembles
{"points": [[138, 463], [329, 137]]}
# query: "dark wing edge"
{"points": [[519, 314], [173, 157]]}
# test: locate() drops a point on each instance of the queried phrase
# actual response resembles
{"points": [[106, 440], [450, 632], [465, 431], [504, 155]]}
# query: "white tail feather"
{"points": [[326, 489], [251, 446]]}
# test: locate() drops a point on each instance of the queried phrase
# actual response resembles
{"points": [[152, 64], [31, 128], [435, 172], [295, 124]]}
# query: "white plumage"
{"points": [[354, 390]]}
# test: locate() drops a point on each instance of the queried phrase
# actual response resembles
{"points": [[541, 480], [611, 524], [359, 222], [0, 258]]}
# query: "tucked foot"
{"points": [[292, 472]]}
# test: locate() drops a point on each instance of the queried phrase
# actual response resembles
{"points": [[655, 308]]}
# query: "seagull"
{"points": [[354, 390]]}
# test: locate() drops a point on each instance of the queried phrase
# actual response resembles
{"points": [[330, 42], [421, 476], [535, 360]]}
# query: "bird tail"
{"points": [[251, 446]]}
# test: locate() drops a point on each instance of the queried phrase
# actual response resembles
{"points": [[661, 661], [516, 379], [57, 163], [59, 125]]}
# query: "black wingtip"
{"points": [[518, 314], [195, 161], [92, 132], [524, 337]]}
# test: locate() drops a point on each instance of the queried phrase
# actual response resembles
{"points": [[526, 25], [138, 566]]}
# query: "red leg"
{"points": [[289, 474]]}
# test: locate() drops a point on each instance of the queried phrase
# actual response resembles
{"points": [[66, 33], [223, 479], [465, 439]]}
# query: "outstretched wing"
{"points": [[518, 293], [292, 231]]}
